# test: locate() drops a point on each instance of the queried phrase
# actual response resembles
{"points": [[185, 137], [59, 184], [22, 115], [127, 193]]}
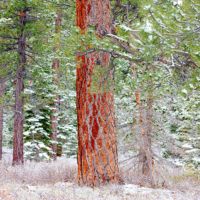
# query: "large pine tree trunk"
{"points": [[54, 117], [2, 90], [97, 151], [19, 98]]}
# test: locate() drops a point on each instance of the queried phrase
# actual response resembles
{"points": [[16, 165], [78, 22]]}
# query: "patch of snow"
{"points": [[147, 7], [196, 159], [148, 27], [187, 146], [192, 151], [184, 91], [178, 2]]}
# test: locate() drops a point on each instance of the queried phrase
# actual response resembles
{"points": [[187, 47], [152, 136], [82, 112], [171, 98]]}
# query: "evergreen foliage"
{"points": [[160, 38]]}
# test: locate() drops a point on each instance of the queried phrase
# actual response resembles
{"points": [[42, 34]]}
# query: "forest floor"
{"points": [[56, 181], [70, 191]]}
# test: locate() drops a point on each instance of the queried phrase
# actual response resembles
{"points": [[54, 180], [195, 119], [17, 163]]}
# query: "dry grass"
{"points": [[34, 173], [70, 191], [47, 181], [165, 174]]}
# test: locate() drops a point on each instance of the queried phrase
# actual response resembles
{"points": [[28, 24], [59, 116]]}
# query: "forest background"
{"points": [[155, 53]]}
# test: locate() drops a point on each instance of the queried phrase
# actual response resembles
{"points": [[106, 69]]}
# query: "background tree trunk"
{"points": [[19, 98], [97, 151], [149, 120], [146, 155], [54, 117], [149, 123], [2, 91]]}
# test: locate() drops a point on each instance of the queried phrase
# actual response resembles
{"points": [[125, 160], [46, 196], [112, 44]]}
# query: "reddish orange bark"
{"points": [[2, 89], [19, 98], [54, 118], [97, 152]]}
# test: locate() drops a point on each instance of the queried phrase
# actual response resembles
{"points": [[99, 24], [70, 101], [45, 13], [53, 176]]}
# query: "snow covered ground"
{"points": [[56, 181], [70, 191]]}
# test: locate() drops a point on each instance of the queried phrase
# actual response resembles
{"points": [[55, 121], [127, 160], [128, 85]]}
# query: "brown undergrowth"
{"points": [[166, 175], [34, 173], [56, 181]]}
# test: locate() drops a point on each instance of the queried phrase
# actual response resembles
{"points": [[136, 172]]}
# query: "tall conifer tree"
{"points": [[97, 151]]}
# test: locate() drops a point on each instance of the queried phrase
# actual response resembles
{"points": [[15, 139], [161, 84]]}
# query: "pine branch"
{"points": [[8, 37], [122, 43], [9, 44], [7, 50], [113, 53]]}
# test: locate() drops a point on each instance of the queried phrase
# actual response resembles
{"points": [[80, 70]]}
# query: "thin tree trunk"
{"points": [[2, 91], [149, 123], [54, 117], [19, 98], [146, 156], [97, 151], [149, 115]]}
